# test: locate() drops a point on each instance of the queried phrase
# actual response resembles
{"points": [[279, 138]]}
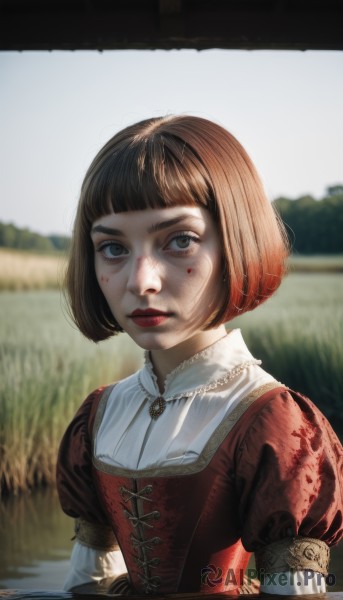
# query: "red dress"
{"points": [[274, 473]]}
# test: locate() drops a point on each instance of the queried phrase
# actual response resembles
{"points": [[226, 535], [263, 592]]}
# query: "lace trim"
{"points": [[202, 389], [149, 366], [95, 535], [294, 553], [188, 361], [209, 449]]}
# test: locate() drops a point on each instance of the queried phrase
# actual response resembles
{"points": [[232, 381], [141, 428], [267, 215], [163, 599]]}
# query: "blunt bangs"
{"points": [[156, 172], [177, 161]]}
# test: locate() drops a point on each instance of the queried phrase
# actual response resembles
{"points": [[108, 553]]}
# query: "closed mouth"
{"points": [[149, 312], [149, 317]]}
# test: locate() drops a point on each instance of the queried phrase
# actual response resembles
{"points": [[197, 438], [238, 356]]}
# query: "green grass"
{"points": [[47, 368], [298, 334], [328, 263]]}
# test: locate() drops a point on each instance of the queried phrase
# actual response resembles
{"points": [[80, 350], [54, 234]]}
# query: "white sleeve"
{"points": [[91, 566], [293, 583]]}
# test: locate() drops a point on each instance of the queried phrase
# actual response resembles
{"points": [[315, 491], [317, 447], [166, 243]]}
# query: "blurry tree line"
{"points": [[314, 226], [24, 239]]}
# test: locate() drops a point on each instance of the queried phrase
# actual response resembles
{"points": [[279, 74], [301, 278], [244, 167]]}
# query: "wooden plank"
{"points": [[168, 24]]}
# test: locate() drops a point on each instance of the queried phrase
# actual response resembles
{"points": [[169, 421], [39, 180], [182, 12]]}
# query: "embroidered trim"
{"points": [[121, 586], [206, 455], [95, 535], [294, 553], [249, 586], [202, 389]]}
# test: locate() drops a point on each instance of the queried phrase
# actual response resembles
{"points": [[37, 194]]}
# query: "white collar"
{"points": [[206, 370]]}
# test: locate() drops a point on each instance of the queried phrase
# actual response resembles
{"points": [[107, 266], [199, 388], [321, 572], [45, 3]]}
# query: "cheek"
{"points": [[100, 274]]}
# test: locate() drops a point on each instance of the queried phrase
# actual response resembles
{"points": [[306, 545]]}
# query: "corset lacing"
{"points": [[140, 521]]}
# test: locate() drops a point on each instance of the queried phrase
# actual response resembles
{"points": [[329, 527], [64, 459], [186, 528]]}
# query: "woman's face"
{"points": [[160, 272]]}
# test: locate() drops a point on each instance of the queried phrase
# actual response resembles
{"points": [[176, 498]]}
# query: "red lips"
{"points": [[149, 317]]}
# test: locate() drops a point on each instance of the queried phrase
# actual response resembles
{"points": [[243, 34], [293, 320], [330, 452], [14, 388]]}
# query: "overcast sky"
{"points": [[58, 108]]}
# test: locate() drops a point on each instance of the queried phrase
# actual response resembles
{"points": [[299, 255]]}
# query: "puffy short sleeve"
{"points": [[289, 473], [77, 493]]}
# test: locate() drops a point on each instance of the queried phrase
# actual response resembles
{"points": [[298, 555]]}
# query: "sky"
{"points": [[58, 108]]}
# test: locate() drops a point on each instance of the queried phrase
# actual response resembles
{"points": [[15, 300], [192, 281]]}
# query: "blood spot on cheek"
{"points": [[189, 271]]}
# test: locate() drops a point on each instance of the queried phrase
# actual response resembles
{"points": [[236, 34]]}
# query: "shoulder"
{"points": [[289, 408], [281, 420], [85, 415], [285, 449], [279, 402]]}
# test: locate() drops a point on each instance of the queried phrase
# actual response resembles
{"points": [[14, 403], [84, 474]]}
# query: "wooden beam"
{"points": [[169, 24]]}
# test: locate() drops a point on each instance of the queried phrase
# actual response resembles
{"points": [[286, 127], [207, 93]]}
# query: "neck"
{"points": [[165, 361]]}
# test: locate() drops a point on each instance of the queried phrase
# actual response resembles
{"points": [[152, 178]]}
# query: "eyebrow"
{"points": [[152, 229], [169, 223], [107, 230]]}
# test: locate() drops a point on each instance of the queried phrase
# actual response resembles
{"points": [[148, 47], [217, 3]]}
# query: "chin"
{"points": [[152, 341]]}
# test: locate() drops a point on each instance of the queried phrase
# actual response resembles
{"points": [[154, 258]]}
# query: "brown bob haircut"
{"points": [[179, 160]]}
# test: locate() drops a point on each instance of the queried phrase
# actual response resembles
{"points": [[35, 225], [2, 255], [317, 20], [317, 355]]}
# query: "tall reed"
{"points": [[298, 335], [46, 370]]}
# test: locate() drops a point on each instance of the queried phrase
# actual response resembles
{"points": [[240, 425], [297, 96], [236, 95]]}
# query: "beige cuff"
{"points": [[298, 553], [95, 535]]}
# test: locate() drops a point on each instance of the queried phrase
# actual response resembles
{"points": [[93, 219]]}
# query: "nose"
{"points": [[144, 277]]}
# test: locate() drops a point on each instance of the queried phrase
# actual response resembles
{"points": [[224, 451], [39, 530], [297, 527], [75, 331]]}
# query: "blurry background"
{"points": [[56, 111], [58, 108]]}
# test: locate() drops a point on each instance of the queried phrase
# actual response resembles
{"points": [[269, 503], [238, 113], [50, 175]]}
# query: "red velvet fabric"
{"points": [[278, 473]]}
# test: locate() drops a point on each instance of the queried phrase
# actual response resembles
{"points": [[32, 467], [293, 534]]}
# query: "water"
{"points": [[36, 544]]}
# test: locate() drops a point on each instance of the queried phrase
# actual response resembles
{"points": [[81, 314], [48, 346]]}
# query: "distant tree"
{"points": [[335, 190], [8, 235], [313, 226], [60, 242], [24, 239]]}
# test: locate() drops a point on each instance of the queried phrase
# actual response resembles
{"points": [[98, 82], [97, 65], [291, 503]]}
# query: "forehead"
{"points": [[153, 219]]}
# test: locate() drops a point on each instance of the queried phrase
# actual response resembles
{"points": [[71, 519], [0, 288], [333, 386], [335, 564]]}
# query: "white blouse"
{"points": [[199, 394]]}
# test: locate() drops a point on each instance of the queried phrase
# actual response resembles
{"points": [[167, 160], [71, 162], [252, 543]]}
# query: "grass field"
{"points": [[298, 334], [330, 263], [47, 368], [21, 270]]}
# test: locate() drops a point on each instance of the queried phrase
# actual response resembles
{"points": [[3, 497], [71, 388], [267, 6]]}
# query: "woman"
{"points": [[177, 473]]}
